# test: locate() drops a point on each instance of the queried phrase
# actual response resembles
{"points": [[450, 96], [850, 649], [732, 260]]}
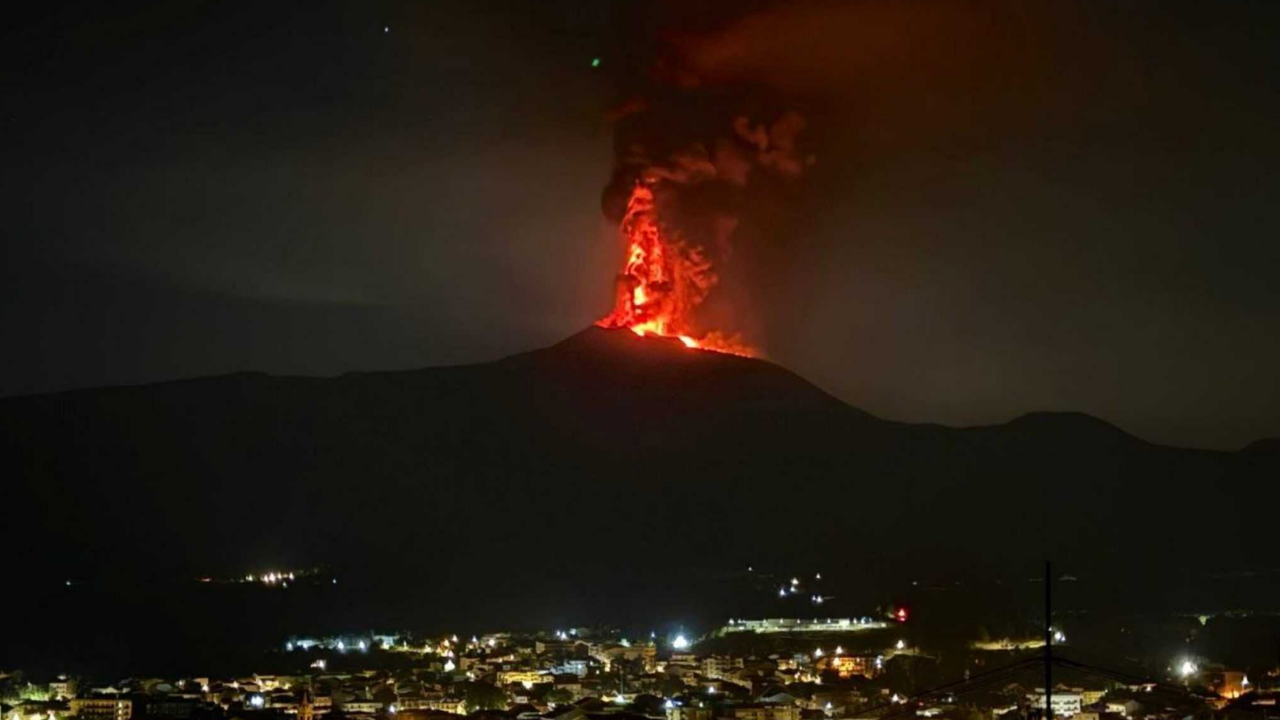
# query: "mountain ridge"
{"points": [[589, 339], [701, 449]]}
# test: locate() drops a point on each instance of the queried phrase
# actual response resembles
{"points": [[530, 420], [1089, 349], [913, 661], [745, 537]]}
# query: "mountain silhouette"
{"points": [[605, 454]]}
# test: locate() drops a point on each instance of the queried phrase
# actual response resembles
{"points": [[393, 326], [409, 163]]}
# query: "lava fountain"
{"points": [[663, 280]]}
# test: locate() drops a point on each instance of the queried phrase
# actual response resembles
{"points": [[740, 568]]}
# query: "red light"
{"points": [[901, 614]]}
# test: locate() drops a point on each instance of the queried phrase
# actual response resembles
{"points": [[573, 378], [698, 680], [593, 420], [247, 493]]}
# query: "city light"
{"points": [[1059, 637], [839, 650], [256, 701], [901, 614], [1188, 668], [901, 645], [680, 642], [817, 653]]}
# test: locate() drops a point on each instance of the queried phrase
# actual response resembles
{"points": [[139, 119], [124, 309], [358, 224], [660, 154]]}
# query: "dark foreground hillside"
{"points": [[597, 466]]}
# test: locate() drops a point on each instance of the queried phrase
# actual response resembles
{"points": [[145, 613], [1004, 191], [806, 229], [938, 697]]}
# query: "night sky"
{"points": [[1013, 208]]}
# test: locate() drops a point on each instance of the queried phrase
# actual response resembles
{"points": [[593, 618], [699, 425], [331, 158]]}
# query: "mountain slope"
{"points": [[637, 448]]}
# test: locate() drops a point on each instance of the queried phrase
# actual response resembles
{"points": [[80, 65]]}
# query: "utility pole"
{"points": [[1048, 641]]}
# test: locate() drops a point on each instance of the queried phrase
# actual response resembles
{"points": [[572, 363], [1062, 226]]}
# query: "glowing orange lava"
{"points": [[662, 281]]}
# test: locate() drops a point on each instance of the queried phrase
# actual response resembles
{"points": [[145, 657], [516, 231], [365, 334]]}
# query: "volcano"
{"points": [[605, 453]]}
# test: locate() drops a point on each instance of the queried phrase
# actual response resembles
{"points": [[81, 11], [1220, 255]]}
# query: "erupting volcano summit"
{"points": [[663, 280]]}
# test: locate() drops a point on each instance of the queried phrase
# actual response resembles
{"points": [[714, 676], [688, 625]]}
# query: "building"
{"points": [[1125, 708], [572, 666], [689, 712], [766, 711], [451, 705], [102, 708], [1091, 697], [646, 654], [793, 625], [720, 666], [847, 666], [1065, 704], [64, 688], [172, 708], [523, 677]]}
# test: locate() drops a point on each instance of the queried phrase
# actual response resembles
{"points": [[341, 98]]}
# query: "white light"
{"points": [[795, 581], [1188, 668], [680, 643], [817, 653], [392, 709], [492, 642], [839, 650], [1058, 637], [288, 646], [711, 689], [902, 645], [386, 29], [782, 592], [1245, 681], [256, 701], [449, 666], [342, 647], [363, 646], [817, 576], [668, 704]]}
